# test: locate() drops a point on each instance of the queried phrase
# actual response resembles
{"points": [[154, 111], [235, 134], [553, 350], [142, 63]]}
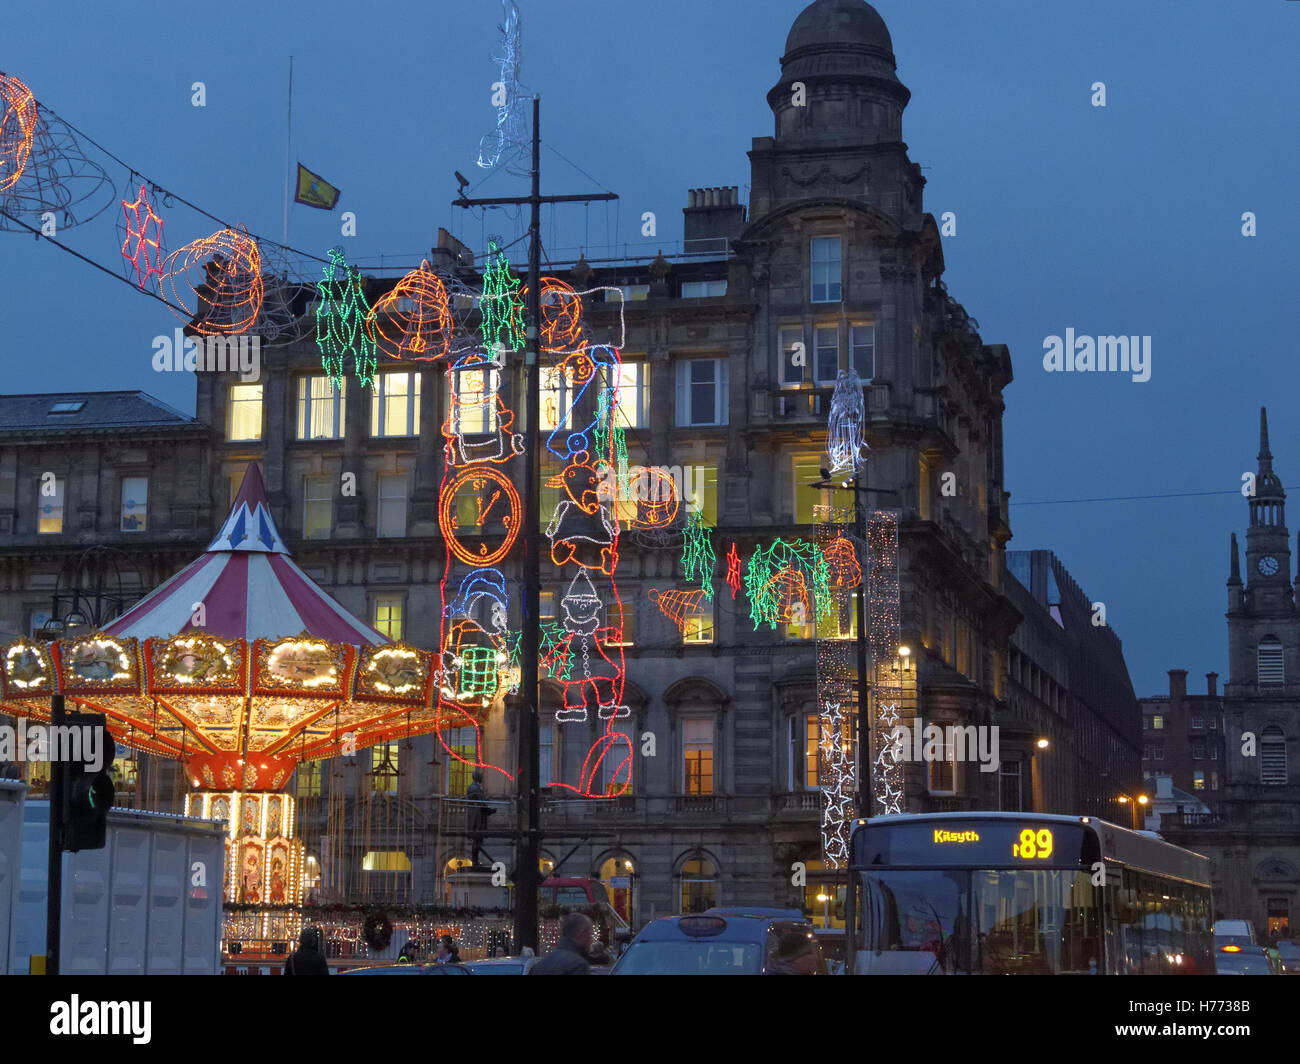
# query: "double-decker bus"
{"points": [[1023, 893]]}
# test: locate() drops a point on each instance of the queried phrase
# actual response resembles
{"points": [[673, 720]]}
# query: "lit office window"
{"points": [[245, 422], [395, 404], [135, 504], [320, 408]]}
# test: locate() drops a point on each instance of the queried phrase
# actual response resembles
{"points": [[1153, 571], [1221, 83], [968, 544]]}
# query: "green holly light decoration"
{"points": [[698, 558], [553, 650], [341, 310], [500, 304], [774, 572]]}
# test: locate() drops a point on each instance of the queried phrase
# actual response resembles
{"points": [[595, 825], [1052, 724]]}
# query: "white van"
{"points": [[1236, 929]]}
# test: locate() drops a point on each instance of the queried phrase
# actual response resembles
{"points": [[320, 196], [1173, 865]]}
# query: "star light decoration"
{"points": [[341, 312], [142, 247], [835, 775], [698, 558], [883, 628], [734, 579]]}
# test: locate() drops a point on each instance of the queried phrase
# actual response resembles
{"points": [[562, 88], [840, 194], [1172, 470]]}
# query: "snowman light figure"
{"points": [[599, 677]]}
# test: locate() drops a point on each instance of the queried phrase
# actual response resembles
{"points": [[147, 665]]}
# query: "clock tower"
{"points": [[1268, 590]]}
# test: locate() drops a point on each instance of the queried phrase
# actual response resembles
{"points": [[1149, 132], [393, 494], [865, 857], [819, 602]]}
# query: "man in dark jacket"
{"points": [[570, 954], [307, 959]]}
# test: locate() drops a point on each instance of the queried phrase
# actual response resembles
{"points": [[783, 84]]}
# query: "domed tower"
{"points": [[839, 117]]}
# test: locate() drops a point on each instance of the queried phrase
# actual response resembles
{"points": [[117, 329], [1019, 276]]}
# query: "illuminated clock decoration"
{"points": [[142, 247], [341, 312], [1268, 565]]}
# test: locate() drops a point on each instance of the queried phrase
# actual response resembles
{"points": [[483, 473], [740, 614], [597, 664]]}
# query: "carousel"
{"points": [[241, 668]]}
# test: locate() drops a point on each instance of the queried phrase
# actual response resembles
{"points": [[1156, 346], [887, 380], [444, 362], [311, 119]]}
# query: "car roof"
{"points": [[740, 927]]}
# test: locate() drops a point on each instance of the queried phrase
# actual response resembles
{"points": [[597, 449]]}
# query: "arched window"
{"points": [[699, 882], [1272, 672], [1272, 755], [618, 875]]}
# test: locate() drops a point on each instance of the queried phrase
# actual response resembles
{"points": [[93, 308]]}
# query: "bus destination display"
{"points": [[983, 844]]}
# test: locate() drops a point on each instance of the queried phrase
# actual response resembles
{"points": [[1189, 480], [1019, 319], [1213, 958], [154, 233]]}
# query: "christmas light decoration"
{"points": [[655, 492], [216, 281], [341, 314], [835, 778], [846, 429], [734, 579], [507, 142], [842, 563], [413, 319], [500, 304], [17, 129], [883, 619], [143, 245], [783, 579], [561, 316], [698, 558], [678, 606]]}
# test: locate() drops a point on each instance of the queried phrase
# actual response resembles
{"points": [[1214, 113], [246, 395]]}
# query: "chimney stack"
{"points": [[1177, 684], [712, 217], [1212, 684]]}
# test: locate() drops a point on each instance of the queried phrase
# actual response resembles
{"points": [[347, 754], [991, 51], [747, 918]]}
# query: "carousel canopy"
{"points": [[240, 666], [248, 585]]}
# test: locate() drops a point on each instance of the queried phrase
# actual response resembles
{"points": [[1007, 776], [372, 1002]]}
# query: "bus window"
{"points": [[575, 897], [1039, 922], [916, 922]]}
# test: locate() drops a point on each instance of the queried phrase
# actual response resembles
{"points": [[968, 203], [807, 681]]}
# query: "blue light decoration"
{"points": [[505, 145], [846, 444], [341, 311]]}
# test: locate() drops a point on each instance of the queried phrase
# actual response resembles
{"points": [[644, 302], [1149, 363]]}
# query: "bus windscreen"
{"points": [[958, 843]]}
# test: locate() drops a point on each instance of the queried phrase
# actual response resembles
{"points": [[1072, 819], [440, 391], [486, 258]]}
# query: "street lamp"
{"points": [[1042, 744], [825, 899], [1141, 799]]}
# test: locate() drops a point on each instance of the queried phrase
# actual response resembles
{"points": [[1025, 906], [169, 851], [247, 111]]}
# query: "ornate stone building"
{"points": [[1254, 838]]}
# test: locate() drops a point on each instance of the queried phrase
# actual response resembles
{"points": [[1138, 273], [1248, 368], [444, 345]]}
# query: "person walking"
{"points": [[571, 955], [307, 959]]}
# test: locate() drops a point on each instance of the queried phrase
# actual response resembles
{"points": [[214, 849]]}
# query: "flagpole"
{"points": [[288, 140]]}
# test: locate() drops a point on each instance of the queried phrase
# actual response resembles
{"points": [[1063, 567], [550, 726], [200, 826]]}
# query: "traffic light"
{"points": [[87, 795]]}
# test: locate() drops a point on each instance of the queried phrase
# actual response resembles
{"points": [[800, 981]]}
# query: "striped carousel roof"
{"points": [[249, 586]]}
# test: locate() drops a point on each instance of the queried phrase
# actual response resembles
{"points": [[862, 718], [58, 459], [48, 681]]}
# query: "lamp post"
{"points": [[1140, 800]]}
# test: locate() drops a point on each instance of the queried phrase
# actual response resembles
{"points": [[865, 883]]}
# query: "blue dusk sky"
{"points": [[1125, 219]]}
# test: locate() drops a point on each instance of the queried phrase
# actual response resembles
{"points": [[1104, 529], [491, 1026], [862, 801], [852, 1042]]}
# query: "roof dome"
{"points": [[839, 22]]}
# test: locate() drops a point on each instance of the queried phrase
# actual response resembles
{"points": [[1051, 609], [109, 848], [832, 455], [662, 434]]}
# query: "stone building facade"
{"points": [[1183, 738], [1253, 839], [730, 357]]}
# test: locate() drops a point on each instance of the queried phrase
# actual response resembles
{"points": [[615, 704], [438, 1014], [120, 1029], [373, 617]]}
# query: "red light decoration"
{"points": [[678, 606], [733, 571], [216, 281], [561, 315], [790, 591], [495, 500], [17, 129], [142, 247], [842, 563], [583, 530], [414, 319]]}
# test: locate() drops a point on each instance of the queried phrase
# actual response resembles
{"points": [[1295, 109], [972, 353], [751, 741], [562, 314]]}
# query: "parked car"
{"points": [[411, 969], [1234, 929], [741, 942], [1233, 959]]}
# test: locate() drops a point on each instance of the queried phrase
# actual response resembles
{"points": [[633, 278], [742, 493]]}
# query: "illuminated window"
{"points": [[245, 412], [463, 743], [793, 357], [703, 492], [388, 616], [825, 262], [546, 606], [474, 413], [1158, 722], [555, 383], [548, 498], [634, 292], [49, 506], [826, 352], [392, 504], [862, 351], [1198, 780], [307, 779], [320, 409], [317, 507], [697, 748], [699, 628], [699, 882], [383, 769], [135, 504], [385, 861], [840, 622], [1279, 918], [622, 618], [633, 403], [395, 405], [807, 472], [702, 391]]}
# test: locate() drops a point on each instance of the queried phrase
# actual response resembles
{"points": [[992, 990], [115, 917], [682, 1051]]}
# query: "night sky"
{"points": [[1118, 220]]}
